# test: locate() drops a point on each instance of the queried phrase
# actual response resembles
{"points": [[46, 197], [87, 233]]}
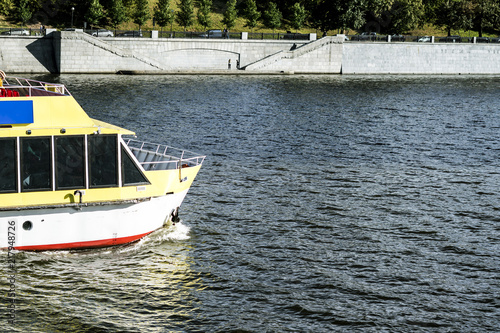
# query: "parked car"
{"points": [[397, 38], [16, 32], [102, 33], [130, 34], [212, 34], [482, 40], [451, 39], [424, 39], [294, 36], [365, 36], [495, 40]]}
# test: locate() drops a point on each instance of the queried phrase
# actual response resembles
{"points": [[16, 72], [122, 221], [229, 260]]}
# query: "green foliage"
{"points": [[141, 12], [5, 6], [251, 14], [298, 16], [23, 11], [185, 15], [95, 13], [117, 13], [230, 15], [204, 13], [486, 15], [454, 15], [272, 17], [163, 14], [378, 7], [405, 15], [338, 14], [383, 16]]}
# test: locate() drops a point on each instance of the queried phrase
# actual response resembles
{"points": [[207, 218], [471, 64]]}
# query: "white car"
{"points": [[425, 39], [102, 33], [16, 32]]}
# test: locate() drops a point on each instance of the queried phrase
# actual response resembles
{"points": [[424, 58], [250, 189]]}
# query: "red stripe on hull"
{"points": [[83, 245]]}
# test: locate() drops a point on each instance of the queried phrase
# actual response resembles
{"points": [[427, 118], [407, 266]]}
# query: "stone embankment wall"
{"points": [[77, 52], [27, 55], [420, 58]]}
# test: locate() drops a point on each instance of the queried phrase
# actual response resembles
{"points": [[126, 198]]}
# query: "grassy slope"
{"points": [[219, 7]]}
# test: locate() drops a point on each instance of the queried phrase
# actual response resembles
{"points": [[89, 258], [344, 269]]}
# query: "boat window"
{"points": [[8, 165], [70, 169], [103, 160], [131, 174], [36, 157]]}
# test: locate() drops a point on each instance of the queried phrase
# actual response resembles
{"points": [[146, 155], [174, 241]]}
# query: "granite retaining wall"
{"points": [[77, 52]]}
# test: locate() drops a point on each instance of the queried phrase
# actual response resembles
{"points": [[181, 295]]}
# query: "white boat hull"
{"points": [[86, 226]]}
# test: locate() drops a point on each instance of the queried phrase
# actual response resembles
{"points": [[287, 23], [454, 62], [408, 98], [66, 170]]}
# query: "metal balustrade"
{"points": [[153, 156]]}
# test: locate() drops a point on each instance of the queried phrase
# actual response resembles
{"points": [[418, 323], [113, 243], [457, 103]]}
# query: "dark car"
{"points": [[130, 34], [295, 36], [451, 39], [364, 36], [482, 40], [495, 40], [397, 38], [212, 34]]}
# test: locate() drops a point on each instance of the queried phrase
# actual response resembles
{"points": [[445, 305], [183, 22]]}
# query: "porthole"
{"points": [[27, 225]]}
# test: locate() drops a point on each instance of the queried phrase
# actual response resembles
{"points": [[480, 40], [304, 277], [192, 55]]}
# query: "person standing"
{"points": [[2, 77]]}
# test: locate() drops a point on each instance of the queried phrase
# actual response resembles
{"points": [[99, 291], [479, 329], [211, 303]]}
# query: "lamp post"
{"points": [[72, 11], [172, 22]]}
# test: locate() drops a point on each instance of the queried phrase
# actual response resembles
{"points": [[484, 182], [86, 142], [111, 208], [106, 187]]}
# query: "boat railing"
{"points": [[29, 87], [153, 156]]}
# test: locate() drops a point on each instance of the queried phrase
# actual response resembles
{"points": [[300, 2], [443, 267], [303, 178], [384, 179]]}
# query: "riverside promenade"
{"points": [[78, 52]]}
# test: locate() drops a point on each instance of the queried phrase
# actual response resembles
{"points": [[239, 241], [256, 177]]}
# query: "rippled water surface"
{"points": [[326, 204]]}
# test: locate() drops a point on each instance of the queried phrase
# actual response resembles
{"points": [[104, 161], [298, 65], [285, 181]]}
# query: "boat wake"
{"points": [[177, 232]]}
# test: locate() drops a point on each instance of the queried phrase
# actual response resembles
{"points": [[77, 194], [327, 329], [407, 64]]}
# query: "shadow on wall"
{"points": [[44, 52]]}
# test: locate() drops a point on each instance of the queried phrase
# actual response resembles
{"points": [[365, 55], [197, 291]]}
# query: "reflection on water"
{"points": [[326, 203]]}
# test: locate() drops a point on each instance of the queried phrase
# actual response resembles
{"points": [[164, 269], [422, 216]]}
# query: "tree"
{"points": [[117, 13], [185, 14], [204, 13], [272, 17], [163, 14], [251, 14], [141, 13], [23, 11], [338, 14], [298, 16], [95, 13], [486, 15], [454, 15], [230, 15], [405, 15]]}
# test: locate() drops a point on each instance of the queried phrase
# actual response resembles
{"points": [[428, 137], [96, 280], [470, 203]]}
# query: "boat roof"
{"points": [[48, 108]]}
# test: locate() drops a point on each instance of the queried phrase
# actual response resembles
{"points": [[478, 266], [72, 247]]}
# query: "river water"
{"points": [[326, 204]]}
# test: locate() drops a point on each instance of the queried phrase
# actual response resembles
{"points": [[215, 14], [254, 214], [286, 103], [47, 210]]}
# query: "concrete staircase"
{"points": [[288, 60], [89, 47], [97, 42]]}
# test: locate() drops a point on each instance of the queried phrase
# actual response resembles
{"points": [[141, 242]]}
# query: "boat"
{"points": [[68, 181]]}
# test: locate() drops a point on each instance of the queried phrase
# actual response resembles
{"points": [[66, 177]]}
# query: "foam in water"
{"points": [[178, 231]]}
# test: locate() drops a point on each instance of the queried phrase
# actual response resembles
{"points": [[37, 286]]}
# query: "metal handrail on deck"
{"points": [[166, 155], [12, 82]]}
